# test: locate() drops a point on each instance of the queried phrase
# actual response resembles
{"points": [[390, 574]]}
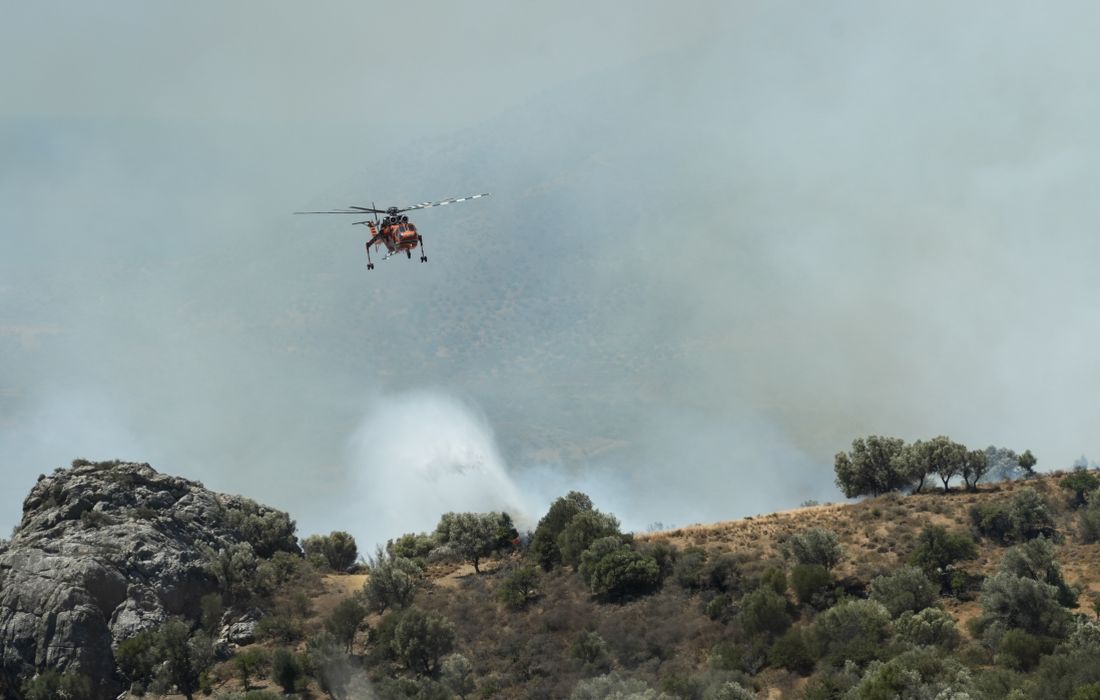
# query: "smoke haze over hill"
{"points": [[720, 245]]}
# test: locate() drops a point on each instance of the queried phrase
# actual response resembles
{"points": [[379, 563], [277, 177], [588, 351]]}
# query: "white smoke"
{"points": [[419, 454]]}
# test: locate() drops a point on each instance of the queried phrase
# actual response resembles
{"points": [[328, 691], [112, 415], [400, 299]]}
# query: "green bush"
{"points": [[688, 570], [585, 528], [590, 649], [764, 612], [722, 574], [475, 536], [812, 583], [611, 686], [854, 630], [906, 589], [337, 550], [51, 685], [287, 670], [1087, 692], [775, 579], [992, 520], [613, 570], [937, 551], [1035, 559], [1088, 521], [249, 664], [1031, 516], [415, 547], [544, 543], [1081, 482], [421, 640], [520, 586], [928, 627], [344, 620], [392, 582], [815, 546], [1018, 602], [790, 651], [1019, 650], [917, 673], [457, 674]]}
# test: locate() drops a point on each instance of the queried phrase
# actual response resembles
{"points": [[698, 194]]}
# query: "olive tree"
{"points": [[421, 640], [906, 589], [544, 543], [392, 581], [474, 536], [814, 546], [871, 467]]}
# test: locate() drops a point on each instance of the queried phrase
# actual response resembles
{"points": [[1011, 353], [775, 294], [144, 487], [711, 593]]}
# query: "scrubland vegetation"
{"points": [[984, 591]]}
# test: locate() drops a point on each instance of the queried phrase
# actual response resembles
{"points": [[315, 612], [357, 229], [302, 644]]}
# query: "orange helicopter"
{"points": [[394, 231]]}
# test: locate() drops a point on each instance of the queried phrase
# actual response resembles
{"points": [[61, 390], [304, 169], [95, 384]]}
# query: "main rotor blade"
{"points": [[452, 200], [329, 212], [368, 210]]}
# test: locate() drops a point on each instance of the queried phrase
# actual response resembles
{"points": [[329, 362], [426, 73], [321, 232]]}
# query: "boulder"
{"points": [[106, 550]]}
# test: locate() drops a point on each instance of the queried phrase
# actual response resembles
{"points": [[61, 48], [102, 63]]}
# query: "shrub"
{"points": [[520, 587], [1035, 560], [928, 627], [764, 612], [1023, 603], [790, 651], [775, 579], [421, 640], [815, 546], [1019, 650], [474, 536], [938, 550], [613, 570], [249, 664], [392, 582], [1087, 692], [905, 589], [337, 550], [688, 569], [613, 685], [50, 685], [137, 656], [212, 610], [279, 626], [1081, 482], [1031, 517], [585, 528], [853, 630], [544, 543], [266, 530], [344, 621], [1088, 520], [287, 670], [723, 574], [458, 675], [992, 520], [812, 583], [872, 467], [590, 649], [412, 546], [917, 673]]}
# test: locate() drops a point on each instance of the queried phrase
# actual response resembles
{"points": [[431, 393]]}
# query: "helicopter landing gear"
{"points": [[370, 265], [409, 254], [423, 257]]}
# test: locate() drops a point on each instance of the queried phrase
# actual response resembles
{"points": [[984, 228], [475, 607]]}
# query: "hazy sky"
{"points": [[724, 239]]}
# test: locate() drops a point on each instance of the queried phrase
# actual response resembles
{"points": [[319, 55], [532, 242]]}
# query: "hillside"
{"points": [[728, 610]]}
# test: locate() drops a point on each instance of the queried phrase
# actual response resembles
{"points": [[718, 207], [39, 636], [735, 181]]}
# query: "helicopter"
{"points": [[394, 230]]}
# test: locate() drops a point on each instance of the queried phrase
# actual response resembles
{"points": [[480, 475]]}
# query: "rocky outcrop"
{"points": [[105, 550]]}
